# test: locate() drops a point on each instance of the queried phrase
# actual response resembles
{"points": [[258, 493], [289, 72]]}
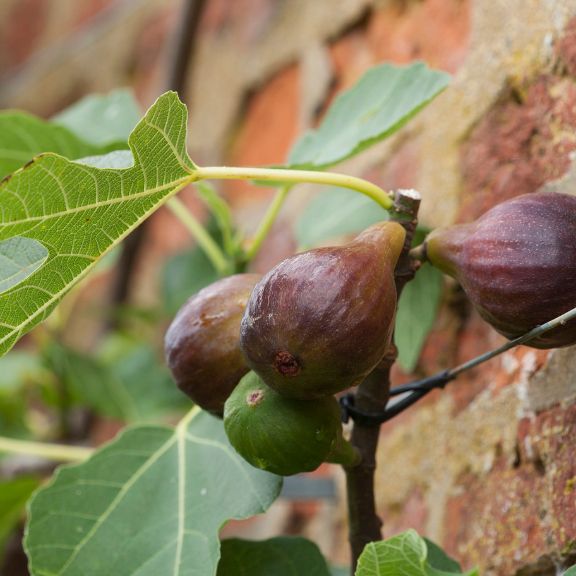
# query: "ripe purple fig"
{"points": [[517, 264], [320, 321], [202, 345]]}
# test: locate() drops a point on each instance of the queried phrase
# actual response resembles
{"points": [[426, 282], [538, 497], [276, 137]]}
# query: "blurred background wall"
{"points": [[487, 467]]}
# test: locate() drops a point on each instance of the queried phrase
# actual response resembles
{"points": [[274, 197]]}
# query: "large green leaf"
{"points": [[80, 212], [570, 572], [151, 503], [23, 136], [282, 556], [384, 99], [416, 314], [405, 554], [19, 258], [335, 212], [13, 497], [103, 120]]}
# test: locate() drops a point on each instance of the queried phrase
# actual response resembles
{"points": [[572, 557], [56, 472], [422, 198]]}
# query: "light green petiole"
{"points": [[267, 222], [57, 452], [286, 176], [198, 232], [298, 177]]}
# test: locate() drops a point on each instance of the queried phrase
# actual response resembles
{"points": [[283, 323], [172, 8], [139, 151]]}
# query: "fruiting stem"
{"points": [[554, 323], [57, 452], [372, 396], [199, 233], [298, 176], [267, 222]]}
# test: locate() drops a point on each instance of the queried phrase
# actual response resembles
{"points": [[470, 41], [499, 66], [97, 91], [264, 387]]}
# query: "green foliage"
{"points": [[85, 211], [380, 103], [102, 120], [439, 560], [406, 554], [223, 217], [19, 258], [336, 212], [570, 572], [416, 314], [183, 275], [13, 497], [148, 389], [126, 382], [283, 556], [18, 370], [151, 502], [23, 136]]}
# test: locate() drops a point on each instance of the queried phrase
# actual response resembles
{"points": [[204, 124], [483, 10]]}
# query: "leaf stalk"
{"points": [[199, 233], [57, 452], [296, 177]]}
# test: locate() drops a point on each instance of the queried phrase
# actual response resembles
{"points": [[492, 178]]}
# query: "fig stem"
{"points": [[199, 233], [420, 388], [296, 177], [372, 396], [267, 222], [57, 452], [534, 333]]}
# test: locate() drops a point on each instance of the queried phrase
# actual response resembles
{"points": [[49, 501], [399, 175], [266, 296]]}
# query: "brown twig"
{"points": [[372, 396]]}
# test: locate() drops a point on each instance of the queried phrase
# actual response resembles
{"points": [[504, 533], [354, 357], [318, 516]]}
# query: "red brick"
{"points": [[436, 31], [267, 132], [516, 514], [566, 48], [519, 145]]}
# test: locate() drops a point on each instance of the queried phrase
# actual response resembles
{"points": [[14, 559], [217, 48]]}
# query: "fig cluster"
{"points": [[270, 353], [517, 264]]}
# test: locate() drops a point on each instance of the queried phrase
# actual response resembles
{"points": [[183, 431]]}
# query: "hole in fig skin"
{"points": [[254, 398], [286, 364]]}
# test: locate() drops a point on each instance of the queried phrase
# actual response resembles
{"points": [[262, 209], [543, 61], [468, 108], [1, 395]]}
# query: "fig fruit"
{"points": [[282, 435], [202, 345], [517, 264], [321, 320]]}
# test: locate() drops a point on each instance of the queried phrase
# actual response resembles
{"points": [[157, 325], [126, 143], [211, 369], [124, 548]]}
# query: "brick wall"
{"points": [[487, 467]]}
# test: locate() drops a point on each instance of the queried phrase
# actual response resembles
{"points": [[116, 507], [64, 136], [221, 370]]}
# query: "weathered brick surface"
{"points": [[523, 142], [522, 510]]}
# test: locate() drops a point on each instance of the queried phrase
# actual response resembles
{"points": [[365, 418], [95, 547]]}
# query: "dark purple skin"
{"points": [[517, 264], [321, 320], [202, 345]]}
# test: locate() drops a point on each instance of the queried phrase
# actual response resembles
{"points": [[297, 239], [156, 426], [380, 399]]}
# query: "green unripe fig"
{"points": [[282, 435], [517, 264], [320, 321], [202, 345]]}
